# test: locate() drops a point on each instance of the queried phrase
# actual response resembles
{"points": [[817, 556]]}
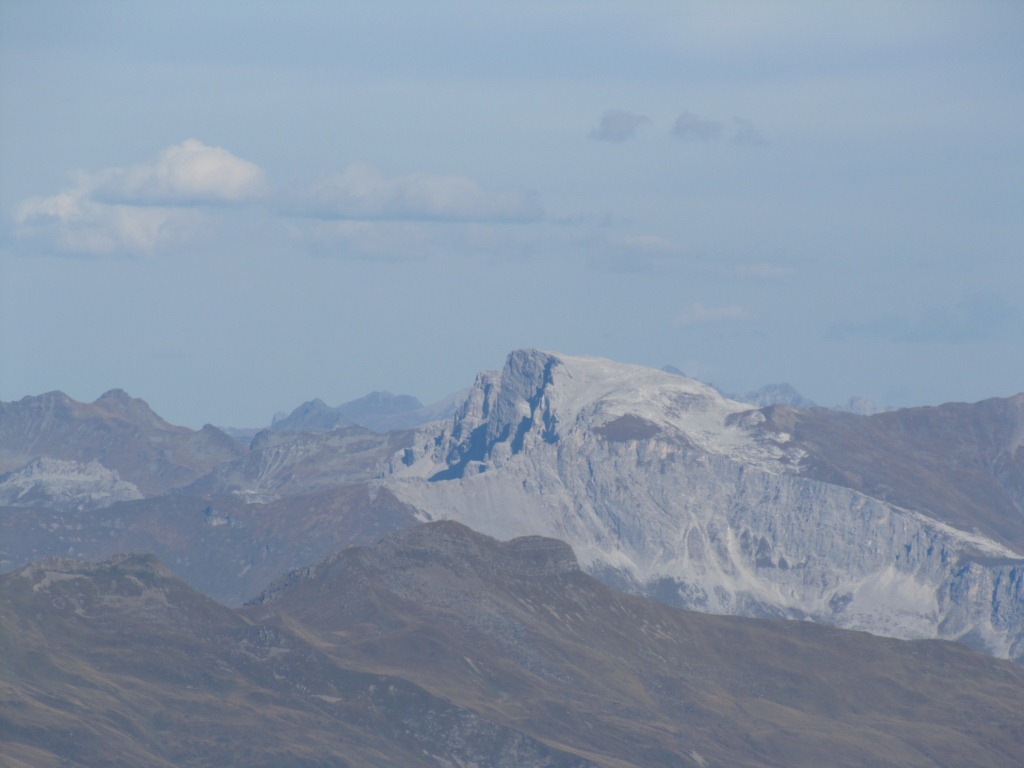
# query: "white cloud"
{"points": [[364, 193], [141, 209], [699, 314], [187, 174], [617, 125], [71, 222]]}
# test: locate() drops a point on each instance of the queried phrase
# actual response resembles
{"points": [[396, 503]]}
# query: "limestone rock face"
{"points": [[61, 485], [662, 485]]}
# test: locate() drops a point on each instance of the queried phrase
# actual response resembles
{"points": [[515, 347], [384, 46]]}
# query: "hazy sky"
{"points": [[229, 208]]}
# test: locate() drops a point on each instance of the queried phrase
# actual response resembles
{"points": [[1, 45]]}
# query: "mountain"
{"points": [[230, 523], [119, 432], [906, 523], [377, 411], [774, 394], [441, 647], [959, 463], [860, 405], [664, 487], [61, 485], [225, 545], [516, 629], [313, 416], [280, 463], [120, 664]]}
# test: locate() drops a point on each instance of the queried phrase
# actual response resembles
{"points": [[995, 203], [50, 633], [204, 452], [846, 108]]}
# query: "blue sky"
{"points": [[229, 208]]}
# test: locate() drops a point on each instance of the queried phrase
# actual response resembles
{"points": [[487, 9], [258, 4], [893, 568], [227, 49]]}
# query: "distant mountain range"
{"points": [[435, 645], [119, 432], [377, 411], [907, 523], [786, 394], [438, 646]]}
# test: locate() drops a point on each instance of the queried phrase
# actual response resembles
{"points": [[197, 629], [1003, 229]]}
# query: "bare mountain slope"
{"points": [[441, 647], [960, 463], [516, 630], [119, 664]]}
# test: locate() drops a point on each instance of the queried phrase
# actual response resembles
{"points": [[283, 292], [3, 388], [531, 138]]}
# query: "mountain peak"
{"points": [[539, 397], [117, 402], [120, 432], [311, 416], [383, 402], [117, 395], [775, 394]]}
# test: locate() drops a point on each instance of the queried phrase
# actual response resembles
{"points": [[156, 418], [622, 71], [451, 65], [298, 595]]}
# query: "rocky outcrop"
{"points": [[62, 485]]}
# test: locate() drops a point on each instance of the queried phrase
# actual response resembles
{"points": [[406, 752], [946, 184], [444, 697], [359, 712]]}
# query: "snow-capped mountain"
{"points": [[662, 485]]}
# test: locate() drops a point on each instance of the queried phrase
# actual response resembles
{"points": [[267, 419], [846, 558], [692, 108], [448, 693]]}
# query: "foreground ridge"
{"points": [[441, 646]]}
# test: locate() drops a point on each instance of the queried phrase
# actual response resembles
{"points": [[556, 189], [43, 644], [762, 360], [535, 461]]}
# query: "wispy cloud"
{"points": [[405, 240], [744, 132], [617, 125], [633, 253], [140, 209], [364, 193], [763, 271], [699, 314], [690, 125], [973, 318]]}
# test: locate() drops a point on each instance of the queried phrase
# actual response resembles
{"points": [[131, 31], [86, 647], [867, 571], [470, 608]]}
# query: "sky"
{"points": [[230, 208]]}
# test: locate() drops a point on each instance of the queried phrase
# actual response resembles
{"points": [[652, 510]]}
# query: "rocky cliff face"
{"points": [[663, 486]]}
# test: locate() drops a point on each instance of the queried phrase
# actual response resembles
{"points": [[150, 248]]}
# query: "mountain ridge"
{"points": [[440, 646], [908, 523], [120, 432]]}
